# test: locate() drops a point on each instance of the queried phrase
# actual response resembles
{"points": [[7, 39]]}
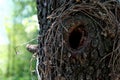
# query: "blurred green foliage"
{"points": [[19, 62]]}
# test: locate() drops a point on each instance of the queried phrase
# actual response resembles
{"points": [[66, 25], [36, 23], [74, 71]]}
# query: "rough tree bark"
{"points": [[78, 40]]}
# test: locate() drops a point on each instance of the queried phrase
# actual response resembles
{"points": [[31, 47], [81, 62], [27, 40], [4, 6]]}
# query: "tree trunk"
{"points": [[78, 40]]}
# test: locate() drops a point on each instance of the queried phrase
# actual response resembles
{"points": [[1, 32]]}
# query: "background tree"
{"points": [[21, 30]]}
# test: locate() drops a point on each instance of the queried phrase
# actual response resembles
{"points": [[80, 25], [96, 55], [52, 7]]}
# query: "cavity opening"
{"points": [[75, 38]]}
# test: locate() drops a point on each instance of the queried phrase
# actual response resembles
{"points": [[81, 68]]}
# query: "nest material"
{"points": [[83, 42]]}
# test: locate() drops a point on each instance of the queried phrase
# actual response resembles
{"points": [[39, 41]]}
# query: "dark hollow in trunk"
{"points": [[74, 38]]}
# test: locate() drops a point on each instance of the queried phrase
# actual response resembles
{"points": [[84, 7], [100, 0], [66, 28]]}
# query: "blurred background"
{"points": [[18, 27]]}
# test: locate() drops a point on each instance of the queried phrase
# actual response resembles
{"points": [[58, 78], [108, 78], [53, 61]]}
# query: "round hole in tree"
{"points": [[74, 38]]}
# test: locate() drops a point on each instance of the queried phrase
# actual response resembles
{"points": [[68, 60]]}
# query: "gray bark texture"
{"points": [[78, 40]]}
